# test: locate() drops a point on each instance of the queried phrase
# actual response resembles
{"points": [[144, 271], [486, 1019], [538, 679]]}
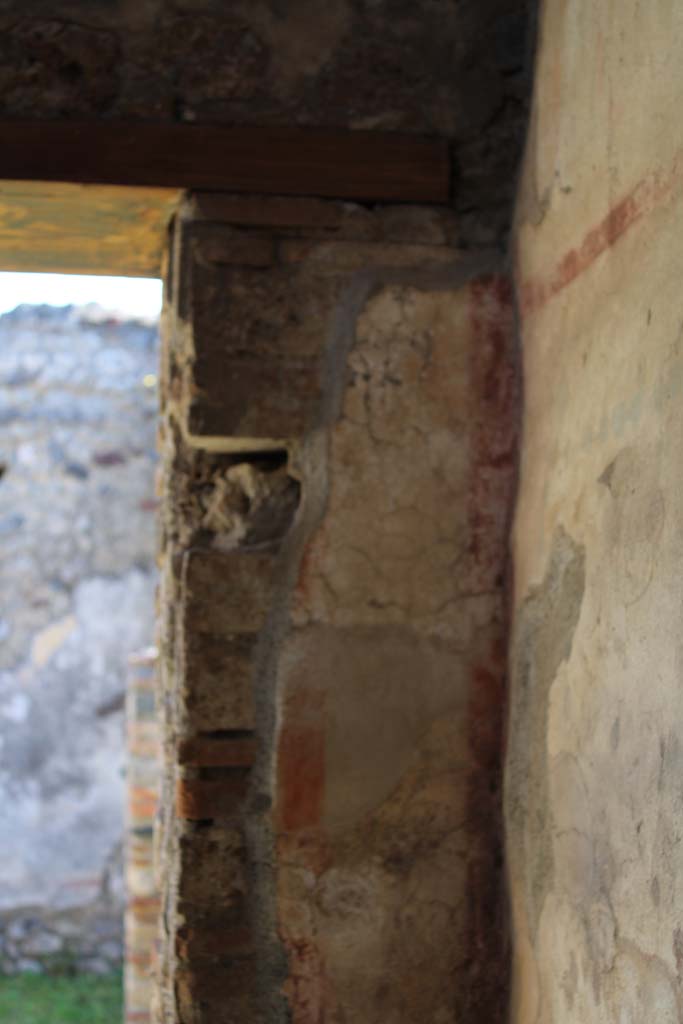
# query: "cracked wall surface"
{"points": [[339, 448], [593, 792]]}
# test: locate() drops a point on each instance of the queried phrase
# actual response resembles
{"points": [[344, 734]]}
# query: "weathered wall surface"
{"points": [[594, 806], [338, 434], [77, 453], [453, 70], [390, 682], [338, 439]]}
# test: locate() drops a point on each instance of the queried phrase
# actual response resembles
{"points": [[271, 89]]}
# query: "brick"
{"points": [[142, 804], [217, 689], [218, 751], [206, 799], [227, 592]]}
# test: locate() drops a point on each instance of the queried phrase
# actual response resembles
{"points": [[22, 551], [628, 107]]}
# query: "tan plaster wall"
{"points": [[391, 680], [593, 794]]}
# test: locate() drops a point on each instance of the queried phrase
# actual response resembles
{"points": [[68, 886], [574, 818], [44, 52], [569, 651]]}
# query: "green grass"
{"points": [[40, 999]]}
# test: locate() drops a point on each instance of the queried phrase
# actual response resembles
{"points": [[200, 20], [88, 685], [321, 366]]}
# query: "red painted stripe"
{"points": [[649, 193]]}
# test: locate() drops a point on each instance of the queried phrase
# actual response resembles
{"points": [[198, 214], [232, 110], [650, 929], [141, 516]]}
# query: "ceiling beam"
{"points": [[271, 161]]}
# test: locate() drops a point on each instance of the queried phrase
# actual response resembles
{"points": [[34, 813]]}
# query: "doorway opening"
{"points": [[78, 412]]}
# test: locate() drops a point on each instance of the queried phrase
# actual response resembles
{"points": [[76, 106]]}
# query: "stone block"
{"points": [[246, 398], [208, 992], [217, 689], [226, 601], [257, 338], [213, 867], [279, 311], [227, 592], [214, 931]]}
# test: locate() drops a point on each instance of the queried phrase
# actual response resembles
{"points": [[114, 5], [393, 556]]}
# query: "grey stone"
{"points": [[77, 585], [26, 966], [42, 944]]}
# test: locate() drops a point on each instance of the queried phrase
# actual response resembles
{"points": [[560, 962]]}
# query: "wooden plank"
{"points": [[84, 229], [273, 161]]}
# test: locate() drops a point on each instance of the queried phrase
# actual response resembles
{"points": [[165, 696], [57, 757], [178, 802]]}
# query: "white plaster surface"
{"points": [[594, 800]]}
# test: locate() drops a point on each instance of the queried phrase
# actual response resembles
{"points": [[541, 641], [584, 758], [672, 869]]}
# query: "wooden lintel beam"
{"points": [[275, 161], [66, 228]]}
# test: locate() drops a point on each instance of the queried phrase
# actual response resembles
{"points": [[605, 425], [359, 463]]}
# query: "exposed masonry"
{"points": [[455, 71], [337, 443], [142, 802]]}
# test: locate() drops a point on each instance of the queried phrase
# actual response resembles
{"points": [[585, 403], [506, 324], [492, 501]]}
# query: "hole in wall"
{"points": [[265, 461], [246, 500]]}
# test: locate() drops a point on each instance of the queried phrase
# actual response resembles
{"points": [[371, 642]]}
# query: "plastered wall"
{"points": [[593, 787], [338, 439]]}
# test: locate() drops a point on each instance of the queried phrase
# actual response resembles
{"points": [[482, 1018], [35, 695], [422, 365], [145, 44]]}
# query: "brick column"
{"points": [[142, 785], [335, 504]]}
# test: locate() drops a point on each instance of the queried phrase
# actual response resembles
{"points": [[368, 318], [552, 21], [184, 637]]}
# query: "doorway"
{"points": [[78, 409]]}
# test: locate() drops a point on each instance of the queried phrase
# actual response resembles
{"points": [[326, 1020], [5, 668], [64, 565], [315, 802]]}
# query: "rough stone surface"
{"points": [[76, 558], [334, 624], [594, 770], [452, 70]]}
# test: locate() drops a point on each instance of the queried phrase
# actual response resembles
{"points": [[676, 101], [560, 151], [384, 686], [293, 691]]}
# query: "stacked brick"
{"points": [[262, 301], [143, 773]]}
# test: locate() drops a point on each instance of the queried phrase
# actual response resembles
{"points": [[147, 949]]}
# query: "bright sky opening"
{"points": [[126, 296]]}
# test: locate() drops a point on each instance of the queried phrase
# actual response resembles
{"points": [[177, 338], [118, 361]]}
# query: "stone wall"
{"points": [[457, 71], [338, 438], [77, 455], [594, 801]]}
